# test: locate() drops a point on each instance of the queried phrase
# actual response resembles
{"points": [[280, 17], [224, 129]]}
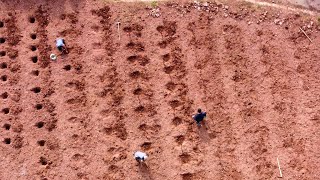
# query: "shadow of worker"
{"points": [[145, 171], [203, 131]]}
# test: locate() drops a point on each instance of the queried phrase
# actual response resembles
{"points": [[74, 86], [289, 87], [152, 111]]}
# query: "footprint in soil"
{"points": [[137, 91], [187, 176], [154, 129], [176, 121], [121, 132], [166, 57], [143, 60], [163, 44], [77, 157], [179, 139], [147, 92], [169, 69], [184, 158], [118, 130], [146, 146], [135, 46], [168, 28], [135, 29], [135, 74], [175, 103], [171, 86], [78, 100], [148, 108], [78, 85], [140, 109]]}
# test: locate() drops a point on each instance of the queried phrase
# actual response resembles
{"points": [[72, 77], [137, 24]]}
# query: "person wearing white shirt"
{"points": [[140, 156], [61, 45]]}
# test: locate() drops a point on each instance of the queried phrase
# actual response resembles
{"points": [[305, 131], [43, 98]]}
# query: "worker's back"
{"points": [[59, 42]]}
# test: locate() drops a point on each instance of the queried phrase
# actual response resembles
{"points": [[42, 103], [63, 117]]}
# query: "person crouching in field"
{"points": [[140, 157], [61, 45], [199, 117]]}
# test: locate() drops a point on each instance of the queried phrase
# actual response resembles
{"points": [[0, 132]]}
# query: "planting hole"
{"points": [[40, 124], [6, 110], [7, 126], [176, 121], [4, 78], [33, 48], [2, 40], [39, 106], [41, 142], [166, 57], [7, 140], [132, 58], [67, 67], [2, 53], [3, 65], [139, 108], [34, 59], [32, 19], [36, 89], [1, 24], [35, 72], [43, 161], [4, 95], [33, 36], [137, 91]]}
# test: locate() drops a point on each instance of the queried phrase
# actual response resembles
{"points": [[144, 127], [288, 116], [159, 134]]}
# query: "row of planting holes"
{"points": [[5, 95]]}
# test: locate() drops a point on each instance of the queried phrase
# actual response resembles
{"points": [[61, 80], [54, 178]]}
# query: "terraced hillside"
{"points": [[134, 75]]}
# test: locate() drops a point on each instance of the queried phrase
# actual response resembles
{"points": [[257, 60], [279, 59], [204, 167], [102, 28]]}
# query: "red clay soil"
{"points": [[84, 115]]}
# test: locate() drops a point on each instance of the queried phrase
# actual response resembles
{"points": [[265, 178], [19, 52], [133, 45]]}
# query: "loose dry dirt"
{"points": [[83, 116]]}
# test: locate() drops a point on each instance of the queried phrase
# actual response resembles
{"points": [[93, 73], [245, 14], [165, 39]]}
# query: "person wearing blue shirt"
{"points": [[61, 45], [199, 116]]}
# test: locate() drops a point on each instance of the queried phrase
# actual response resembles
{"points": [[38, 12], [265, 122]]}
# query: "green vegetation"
{"points": [[154, 4]]}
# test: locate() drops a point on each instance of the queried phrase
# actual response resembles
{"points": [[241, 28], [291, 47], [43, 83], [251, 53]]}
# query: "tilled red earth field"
{"points": [[135, 88]]}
